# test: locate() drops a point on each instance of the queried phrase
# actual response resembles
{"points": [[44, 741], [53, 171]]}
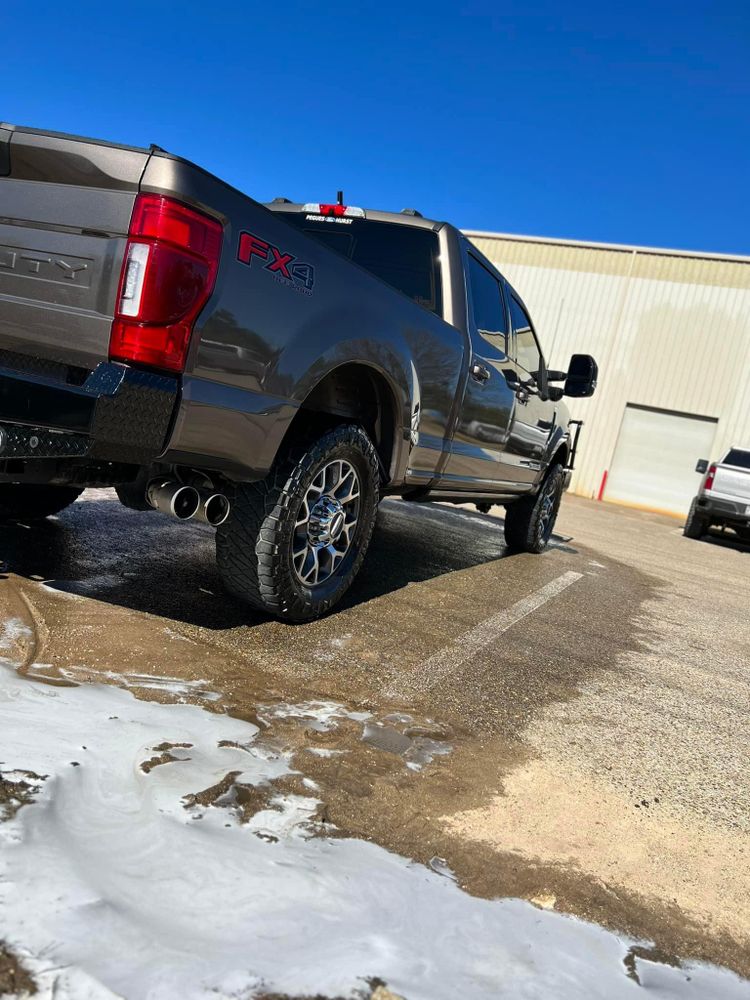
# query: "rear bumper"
{"points": [[724, 508], [119, 414]]}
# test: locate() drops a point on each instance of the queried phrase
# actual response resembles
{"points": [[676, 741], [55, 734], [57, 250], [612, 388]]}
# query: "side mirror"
{"points": [[582, 375], [702, 466]]}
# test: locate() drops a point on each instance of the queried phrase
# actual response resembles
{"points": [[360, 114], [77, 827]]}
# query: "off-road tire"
{"points": [[254, 546], [695, 525], [743, 534], [28, 502], [526, 529]]}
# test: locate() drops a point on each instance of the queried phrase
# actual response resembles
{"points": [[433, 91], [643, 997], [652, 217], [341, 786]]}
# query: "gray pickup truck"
{"points": [[273, 370], [723, 497]]}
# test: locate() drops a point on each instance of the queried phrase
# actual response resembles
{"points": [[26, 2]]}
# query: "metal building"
{"points": [[671, 333]]}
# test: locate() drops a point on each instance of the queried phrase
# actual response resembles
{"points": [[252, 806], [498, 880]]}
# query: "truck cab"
{"points": [[506, 416]]}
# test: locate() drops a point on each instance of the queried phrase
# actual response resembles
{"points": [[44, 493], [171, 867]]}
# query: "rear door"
{"points": [[65, 206], [479, 449]]}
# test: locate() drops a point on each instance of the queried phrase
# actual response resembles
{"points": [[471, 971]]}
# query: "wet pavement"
{"points": [[570, 729]]}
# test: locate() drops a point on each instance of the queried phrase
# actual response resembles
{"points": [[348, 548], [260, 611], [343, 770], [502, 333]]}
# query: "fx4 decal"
{"points": [[283, 266]]}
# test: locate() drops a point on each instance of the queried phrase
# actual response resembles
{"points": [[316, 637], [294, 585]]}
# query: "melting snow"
{"points": [[110, 887], [321, 716], [176, 686], [11, 631]]}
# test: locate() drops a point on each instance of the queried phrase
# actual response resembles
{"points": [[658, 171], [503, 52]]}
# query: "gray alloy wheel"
{"points": [[294, 542], [549, 502], [326, 522], [530, 521]]}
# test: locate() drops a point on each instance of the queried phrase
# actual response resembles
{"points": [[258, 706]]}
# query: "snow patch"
{"points": [[110, 886]]}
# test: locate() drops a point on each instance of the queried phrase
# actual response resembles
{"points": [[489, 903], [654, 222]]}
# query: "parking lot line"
{"points": [[438, 666]]}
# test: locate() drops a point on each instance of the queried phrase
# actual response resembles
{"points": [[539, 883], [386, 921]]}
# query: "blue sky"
{"points": [[625, 123]]}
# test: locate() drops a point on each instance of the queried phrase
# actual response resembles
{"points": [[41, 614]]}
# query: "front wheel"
{"points": [[294, 542], [529, 522], [29, 502]]}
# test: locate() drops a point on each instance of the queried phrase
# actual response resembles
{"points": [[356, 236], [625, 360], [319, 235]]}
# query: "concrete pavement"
{"points": [[579, 718]]}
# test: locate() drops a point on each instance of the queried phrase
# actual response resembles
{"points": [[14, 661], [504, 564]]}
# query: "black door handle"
{"points": [[480, 373]]}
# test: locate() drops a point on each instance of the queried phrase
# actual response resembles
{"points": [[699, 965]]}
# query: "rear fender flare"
{"points": [[401, 379]]}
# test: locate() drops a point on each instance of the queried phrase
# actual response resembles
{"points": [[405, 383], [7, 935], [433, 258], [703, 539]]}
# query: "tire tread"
{"points": [[521, 519], [248, 548], [695, 526]]}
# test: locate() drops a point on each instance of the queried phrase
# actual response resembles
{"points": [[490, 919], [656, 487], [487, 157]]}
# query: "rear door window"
{"points": [[406, 257], [487, 303]]}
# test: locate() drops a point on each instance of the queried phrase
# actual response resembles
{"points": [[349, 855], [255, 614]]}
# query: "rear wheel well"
{"points": [[352, 392]]}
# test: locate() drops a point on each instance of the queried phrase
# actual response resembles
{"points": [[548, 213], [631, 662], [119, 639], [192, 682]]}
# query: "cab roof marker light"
{"points": [[346, 211]]}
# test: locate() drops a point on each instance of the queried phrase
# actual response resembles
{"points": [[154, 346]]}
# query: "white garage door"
{"points": [[655, 456]]}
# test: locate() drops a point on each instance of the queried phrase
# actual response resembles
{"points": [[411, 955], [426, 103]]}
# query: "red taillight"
{"points": [[710, 478], [168, 274]]}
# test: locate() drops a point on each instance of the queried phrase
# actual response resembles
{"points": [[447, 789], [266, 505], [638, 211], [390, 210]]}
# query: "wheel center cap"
{"points": [[326, 521]]}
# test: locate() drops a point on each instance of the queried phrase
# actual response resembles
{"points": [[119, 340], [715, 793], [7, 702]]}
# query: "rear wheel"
{"points": [[294, 542], [29, 502], [529, 522], [695, 525]]}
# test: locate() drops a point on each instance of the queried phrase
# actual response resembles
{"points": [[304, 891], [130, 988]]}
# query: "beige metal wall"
{"points": [[668, 329]]}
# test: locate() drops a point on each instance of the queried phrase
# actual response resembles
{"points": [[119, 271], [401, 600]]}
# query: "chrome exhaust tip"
{"points": [[182, 502], [214, 508]]}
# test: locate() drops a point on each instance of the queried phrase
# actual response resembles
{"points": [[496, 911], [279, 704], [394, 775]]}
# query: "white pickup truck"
{"points": [[723, 498]]}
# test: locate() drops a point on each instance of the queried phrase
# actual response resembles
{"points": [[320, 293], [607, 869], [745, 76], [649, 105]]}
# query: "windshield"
{"points": [[403, 256]]}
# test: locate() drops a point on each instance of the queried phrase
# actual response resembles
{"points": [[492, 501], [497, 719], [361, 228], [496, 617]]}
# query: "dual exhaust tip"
{"points": [[187, 502]]}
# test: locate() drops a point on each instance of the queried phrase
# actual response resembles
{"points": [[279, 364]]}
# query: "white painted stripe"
{"points": [[448, 659]]}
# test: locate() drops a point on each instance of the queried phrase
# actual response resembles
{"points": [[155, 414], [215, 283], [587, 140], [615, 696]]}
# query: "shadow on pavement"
{"points": [[727, 541], [151, 563]]}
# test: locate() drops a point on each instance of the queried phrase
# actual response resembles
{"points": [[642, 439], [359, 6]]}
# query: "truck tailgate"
{"points": [[732, 482], [65, 207]]}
